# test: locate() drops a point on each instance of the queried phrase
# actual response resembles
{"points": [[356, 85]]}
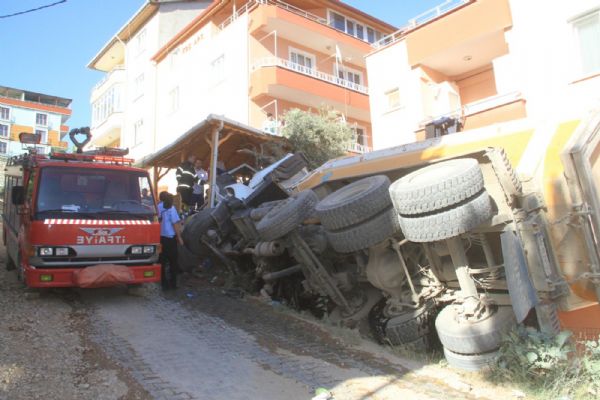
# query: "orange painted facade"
{"points": [[34, 106]]}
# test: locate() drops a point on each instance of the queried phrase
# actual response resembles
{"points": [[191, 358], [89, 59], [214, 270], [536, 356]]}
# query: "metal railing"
{"points": [[106, 77], [250, 5], [283, 63], [431, 14], [358, 148], [478, 106]]}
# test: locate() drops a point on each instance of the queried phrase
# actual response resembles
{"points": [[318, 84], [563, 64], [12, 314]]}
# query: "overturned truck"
{"points": [[455, 239]]}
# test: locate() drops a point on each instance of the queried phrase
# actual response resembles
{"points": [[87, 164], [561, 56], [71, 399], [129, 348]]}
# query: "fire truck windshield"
{"points": [[93, 193]]}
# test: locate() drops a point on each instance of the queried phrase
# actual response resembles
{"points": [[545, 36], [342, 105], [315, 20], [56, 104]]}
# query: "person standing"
{"points": [[170, 236], [198, 190], [186, 178]]}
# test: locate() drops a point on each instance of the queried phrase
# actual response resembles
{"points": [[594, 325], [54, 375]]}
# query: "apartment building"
{"points": [[26, 111], [484, 62], [251, 61], [123, 100]]}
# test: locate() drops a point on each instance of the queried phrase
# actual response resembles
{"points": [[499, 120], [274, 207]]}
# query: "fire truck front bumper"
{"points": [[101, 275]]}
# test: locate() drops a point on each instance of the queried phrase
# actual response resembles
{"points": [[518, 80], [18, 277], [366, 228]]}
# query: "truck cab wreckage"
{"points": [[457, 238]]}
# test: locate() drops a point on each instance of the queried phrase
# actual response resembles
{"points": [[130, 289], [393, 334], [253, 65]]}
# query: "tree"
{"points": [[320, 136]]}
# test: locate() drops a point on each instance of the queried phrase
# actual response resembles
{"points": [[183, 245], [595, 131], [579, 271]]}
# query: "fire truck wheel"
{"points": [[287, 215], [448, 223], [473, 337], [377, 229], [194, 228], [354, 203], [10, 264], [470, 362], [437, 186], [405, 328]]}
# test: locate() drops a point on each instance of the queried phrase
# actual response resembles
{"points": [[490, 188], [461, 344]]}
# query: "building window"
{"points": [[4, 130], [303, 61], [140, 42], [353, 28], [138, 134], [108, 103], [393, 99], [174, 99], [3, 147], [587, 34], [217, 67], [41, 119], [349, 75], [43, 135], [138, 86], [4, 113]]}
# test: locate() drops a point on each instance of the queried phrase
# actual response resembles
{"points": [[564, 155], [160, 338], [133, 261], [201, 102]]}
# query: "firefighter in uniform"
{"points": [[186, 179]]}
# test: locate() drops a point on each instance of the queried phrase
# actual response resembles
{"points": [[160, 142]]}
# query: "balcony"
{"points": [[489, 111], [114, 77], [281, 79], [287, 64], [108, 131]]}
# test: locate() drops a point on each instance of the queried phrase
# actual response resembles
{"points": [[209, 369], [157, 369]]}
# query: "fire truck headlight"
{"points": [[46, 251], [136, 250], [148, 249], [62, 251]]}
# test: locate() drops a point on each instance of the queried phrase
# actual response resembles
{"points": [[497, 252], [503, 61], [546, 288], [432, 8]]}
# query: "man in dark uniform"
{"points": [[186, 178]]}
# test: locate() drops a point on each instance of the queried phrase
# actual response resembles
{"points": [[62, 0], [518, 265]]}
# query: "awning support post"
{"points": [[214, 147]]}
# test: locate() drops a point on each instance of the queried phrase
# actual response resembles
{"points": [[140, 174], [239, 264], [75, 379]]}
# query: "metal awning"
{"points": [[216, 138]]}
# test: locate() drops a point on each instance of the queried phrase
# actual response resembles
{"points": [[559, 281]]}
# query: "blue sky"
{"points": [[47, 51]]}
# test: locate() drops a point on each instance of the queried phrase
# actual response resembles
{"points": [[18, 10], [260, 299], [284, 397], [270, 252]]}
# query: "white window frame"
{"points": [[9, 113], [7, 130], [137, 130], [217, 68], [173, 99], [589, 15], [365, 38], [138, 86], [36, 119], [43, 134], [140, 42], [5, 143], [388, 105], [345, 70], [354, 128], [312, 57]]}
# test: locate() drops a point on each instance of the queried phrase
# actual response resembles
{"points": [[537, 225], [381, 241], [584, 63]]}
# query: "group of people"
{"points": [[191, 178]]}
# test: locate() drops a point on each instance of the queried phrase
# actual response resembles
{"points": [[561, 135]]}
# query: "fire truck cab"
{"points": [[80, 220]]}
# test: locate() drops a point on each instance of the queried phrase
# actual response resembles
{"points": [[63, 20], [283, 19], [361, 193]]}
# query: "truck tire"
{"points": [[448, 223], [437, 186], [473, 337], [362, 236], [470, 362], [287, 215], [510, 182], [405, 328], [194, 229], [354, 203], [187, 260]]}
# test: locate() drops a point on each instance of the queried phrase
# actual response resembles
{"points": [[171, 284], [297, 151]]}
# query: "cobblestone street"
{"points": [[196, 343]]}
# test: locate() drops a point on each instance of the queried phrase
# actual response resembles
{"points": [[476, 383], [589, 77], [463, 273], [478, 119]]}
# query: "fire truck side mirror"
{"points": [[18, 195]]}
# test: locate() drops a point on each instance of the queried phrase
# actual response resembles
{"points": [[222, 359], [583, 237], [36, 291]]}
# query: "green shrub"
{"points": [[549, 366]]}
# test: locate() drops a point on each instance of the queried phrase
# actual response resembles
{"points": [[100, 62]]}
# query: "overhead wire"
{"points": [[33, 9]]}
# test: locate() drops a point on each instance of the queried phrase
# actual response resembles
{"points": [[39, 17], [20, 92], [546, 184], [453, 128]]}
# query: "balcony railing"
{"points": [[358, 148], [478, 106], [429, 15], [106, 77], [250, 5], [287, 64]]}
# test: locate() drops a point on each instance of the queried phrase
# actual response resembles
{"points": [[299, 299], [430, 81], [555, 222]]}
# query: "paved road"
{"points": [[202, 344], [197, 343]]}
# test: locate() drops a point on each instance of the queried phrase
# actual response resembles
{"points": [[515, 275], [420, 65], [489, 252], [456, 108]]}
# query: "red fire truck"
{"points": [[85, 219]]}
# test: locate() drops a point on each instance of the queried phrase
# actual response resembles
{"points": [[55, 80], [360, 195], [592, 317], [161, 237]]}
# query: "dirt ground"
{"points": [[200, 342]]}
